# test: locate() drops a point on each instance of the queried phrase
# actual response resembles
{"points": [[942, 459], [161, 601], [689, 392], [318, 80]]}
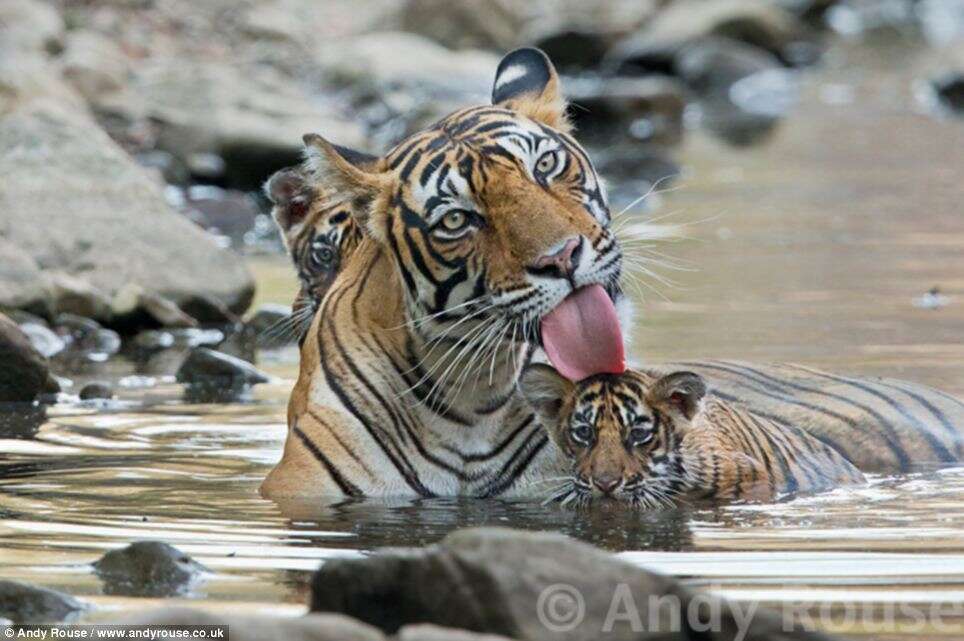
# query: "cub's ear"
{"points": [[291, 194], [347, 174], [546, 390], [527, 82], [679, 394]]}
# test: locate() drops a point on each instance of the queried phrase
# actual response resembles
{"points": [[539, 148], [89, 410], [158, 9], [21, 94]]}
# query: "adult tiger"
{"points": [[474, 230]]}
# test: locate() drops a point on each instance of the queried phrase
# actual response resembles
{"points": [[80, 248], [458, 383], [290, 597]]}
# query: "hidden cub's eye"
{"points": [[581, 433], [547, 162], [640, 436], [323, 255]]}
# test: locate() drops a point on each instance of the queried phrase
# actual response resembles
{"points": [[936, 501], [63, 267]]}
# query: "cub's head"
{"points": [[494, 212], [318, 230], [622, 432]]}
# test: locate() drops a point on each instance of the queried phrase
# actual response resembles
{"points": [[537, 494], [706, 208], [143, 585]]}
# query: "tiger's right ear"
{"points": [[546, 390], [334, 167]]}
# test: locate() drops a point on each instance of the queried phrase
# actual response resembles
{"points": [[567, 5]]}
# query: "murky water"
{"points": [[811, 247]]}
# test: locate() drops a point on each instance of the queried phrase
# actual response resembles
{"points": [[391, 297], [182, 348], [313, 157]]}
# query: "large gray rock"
{"points": [[81, 222], [29, 25], [22, 603], [254, 119], [531, 586], [264, 628], [93, 64], [24, 373]]}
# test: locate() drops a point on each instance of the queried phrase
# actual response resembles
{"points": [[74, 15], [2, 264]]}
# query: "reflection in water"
{"points": [[812, 248]]}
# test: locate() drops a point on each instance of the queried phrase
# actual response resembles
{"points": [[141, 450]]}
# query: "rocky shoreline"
{"points": [[476, 584]]}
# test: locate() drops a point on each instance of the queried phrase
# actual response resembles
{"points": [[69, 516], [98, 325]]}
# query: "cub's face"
{"points": [[621, 432], [319, 233], [495, 211]]}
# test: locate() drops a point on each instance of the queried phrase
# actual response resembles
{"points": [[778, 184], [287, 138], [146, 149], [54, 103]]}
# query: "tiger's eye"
{"points": [[639, 436], [581, 433], [454, 220], [546, 163], [324, 255]]}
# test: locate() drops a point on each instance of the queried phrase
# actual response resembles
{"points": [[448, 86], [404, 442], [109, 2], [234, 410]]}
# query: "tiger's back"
{"points": [[879, 424]]}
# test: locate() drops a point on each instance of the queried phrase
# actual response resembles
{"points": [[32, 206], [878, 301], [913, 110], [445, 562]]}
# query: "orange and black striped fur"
{"points": [[318, 230], [408, 378], [652, 441], [650, 437]]}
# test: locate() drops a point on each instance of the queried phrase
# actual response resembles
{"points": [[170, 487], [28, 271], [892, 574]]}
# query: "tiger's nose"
{"points": [[607, 483], [562, 257]]}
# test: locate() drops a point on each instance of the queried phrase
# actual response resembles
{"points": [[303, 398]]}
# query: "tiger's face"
{"points": [[495, 212], [621, 432], [319, 232]]}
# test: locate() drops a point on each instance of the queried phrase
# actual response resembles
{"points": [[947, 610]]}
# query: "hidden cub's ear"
{"points": [[679, 395], [346, 174], [291, 194], [546, 390], [527, 82]]}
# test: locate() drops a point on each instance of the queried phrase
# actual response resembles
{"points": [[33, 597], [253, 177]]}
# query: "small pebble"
{"points": [[96, 389]]}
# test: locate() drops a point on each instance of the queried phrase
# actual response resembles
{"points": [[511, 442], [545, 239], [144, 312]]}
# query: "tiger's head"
{"points": [[494, 215], [318, 230], [621, 432]]}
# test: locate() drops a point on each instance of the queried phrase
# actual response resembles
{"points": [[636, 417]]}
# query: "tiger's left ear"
{"points": [[332, 167], [527, 82]]}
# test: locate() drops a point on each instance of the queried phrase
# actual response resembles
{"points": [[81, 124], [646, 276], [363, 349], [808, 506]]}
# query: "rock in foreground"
{"points": [[530, 586], [23, 371], [23, 603], [211, 375]]}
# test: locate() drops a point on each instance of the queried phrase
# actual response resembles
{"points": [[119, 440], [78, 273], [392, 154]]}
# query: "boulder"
{"points": [[22, 603], [93, 64], [531, 586], [148, 568], [646, 109], [712, 65], [761, 24], [213, 376], [116, 231], [25, 374], [314, 627], [401, 82], [45, 341], [30, 26], [465, 25], [253, 119]]}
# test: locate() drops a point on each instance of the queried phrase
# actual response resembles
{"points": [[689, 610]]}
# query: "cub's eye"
{"points": [[639, 436], [323, 255], [581, 433], [547, 162]]}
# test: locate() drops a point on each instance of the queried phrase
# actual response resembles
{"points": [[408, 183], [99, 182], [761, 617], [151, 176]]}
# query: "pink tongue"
{"points": [[582, 337]]}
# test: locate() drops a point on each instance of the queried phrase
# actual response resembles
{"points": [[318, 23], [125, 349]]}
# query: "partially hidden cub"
{"points": [[654, 440]]}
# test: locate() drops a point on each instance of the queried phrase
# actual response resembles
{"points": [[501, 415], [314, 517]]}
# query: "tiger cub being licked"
{"points": [[651, 440]]}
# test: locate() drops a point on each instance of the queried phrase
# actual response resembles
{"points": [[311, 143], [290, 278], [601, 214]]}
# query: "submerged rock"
{"points": [[950, 92], [312, 627], [148, 568], [648, 109], [530, 586], [24, 372], [23, 603], [96, 390], [213, 376]]}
